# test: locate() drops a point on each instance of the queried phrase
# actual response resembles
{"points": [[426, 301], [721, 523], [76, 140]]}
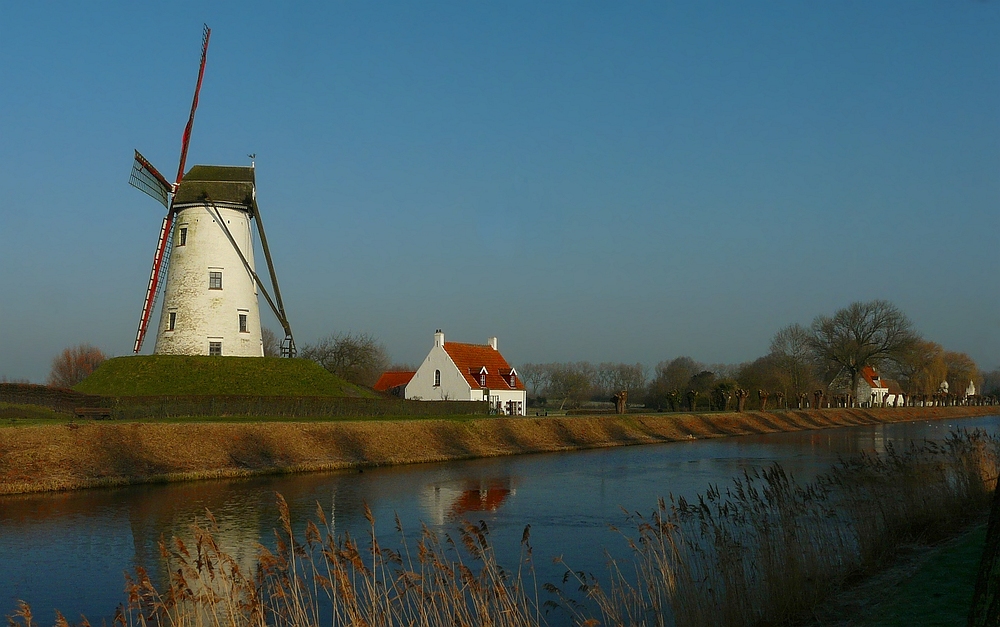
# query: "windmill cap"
{"points": [[220, 183]]}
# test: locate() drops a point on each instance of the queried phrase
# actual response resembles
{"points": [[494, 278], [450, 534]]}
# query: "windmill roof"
{"points": [[220, 183]]}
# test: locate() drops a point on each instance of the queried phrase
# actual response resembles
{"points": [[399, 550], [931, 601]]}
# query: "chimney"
{"points": [[439, 338], [492, 342]]}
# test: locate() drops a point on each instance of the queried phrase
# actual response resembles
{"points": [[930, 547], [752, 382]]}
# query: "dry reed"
{"points": [[767, 550], [761, 552]]}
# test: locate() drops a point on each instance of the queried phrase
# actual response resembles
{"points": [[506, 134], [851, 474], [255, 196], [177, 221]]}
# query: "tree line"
{"points": [[827, 357]]}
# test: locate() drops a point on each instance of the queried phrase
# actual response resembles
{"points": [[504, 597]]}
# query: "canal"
{"points": [[68, 551]]}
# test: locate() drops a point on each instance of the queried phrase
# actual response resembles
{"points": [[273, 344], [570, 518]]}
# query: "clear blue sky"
{"points": [[583, 180]]}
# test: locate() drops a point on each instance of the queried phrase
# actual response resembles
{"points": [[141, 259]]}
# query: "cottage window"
{"points": [[482, 379], [437, 378], [513, 380], [215, 280], [215, 349]]}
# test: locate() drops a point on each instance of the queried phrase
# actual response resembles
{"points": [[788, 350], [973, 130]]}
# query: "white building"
{"points": [[872, 391], [210, 300], [473, 372]]}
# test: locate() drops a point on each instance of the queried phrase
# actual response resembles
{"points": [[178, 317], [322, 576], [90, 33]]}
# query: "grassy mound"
{"points": [[183, 375]]}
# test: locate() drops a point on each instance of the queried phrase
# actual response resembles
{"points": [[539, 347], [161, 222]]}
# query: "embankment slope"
{"points": [[92, 454]]}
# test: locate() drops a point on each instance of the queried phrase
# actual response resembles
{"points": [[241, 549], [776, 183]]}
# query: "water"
{"points": [[69, 551]]}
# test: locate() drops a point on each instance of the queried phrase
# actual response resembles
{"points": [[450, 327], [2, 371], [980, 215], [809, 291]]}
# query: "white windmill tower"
{"points": [[205, 249]]}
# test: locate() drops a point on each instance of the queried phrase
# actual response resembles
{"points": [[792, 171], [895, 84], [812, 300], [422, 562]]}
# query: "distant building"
{"points": [[394, 382], [468, 372], [874, 391]]}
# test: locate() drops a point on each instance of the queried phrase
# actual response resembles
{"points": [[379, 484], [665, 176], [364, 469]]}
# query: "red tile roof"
{"points": [[392, 379], [869, 375], [471, 358]]}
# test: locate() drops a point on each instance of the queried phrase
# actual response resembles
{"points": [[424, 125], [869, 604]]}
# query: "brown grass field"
{"points": [[48, 457]]}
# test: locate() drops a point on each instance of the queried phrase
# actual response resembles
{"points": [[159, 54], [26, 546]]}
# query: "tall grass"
{"points": [[767, 550], [761, 552]]}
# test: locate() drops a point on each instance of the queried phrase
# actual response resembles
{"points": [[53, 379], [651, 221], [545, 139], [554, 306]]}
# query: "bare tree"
{"points": [[672, 377], [615, 377], [862, 334], [571, 381], [793, 357], [272, 345], [73, 365], [357, 358], [535, 375]]}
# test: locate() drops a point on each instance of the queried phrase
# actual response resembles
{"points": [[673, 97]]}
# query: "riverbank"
{"points": [[929, 585], [94, 454]]}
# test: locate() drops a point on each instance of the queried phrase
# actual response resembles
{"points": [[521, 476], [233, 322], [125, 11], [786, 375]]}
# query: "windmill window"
{"points": [[182, 236], [437, 378], [243, 323], [171, 321], [215, 280], [215, 349]]}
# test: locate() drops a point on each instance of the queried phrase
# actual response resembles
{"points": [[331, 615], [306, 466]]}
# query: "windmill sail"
{"points": [[162, 248], [148, 180]]}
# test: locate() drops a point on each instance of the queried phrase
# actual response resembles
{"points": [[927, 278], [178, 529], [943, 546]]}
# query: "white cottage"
{"points": [[872, 390], [468, 372]]}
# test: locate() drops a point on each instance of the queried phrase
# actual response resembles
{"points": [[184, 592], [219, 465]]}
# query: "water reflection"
{"points": [[69, 551]]}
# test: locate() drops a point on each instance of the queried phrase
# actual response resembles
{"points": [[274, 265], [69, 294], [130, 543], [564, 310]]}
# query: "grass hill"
{"points": [[183, 375]]}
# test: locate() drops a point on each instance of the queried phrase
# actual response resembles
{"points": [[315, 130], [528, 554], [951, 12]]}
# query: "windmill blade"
{"points": [[185, 142], [148, 180], [288, 346], [154, 279]]}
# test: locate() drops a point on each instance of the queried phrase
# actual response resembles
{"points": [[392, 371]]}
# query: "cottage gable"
{"points": [[475, 372]]}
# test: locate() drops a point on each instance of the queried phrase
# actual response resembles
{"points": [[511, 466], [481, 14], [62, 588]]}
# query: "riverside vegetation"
{"points": [[762, 551]]}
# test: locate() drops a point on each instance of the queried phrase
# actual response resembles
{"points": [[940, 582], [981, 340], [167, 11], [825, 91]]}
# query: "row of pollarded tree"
{"points": [[828, 357]]}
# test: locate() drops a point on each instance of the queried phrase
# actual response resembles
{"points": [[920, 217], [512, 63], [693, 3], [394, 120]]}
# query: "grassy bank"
{"points": [[183, 375], [90, 454], [935, 588]]}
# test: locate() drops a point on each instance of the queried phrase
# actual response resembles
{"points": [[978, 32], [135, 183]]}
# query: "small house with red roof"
{"points": [[872, 390], [474, 372], [394, 382]]}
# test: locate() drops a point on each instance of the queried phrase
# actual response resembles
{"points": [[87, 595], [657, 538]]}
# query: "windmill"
{"points": [[205, 254]]}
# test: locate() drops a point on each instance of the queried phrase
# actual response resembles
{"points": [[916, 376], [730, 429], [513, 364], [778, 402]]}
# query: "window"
{"points": [[513, 380], [243, 323], [215, 280], [171, 320], [437, 378], [215, 348], [482, 379], [182, 236]]}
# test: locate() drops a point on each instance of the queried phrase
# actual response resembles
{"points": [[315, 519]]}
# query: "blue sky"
{"points": [[584, 180]]}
